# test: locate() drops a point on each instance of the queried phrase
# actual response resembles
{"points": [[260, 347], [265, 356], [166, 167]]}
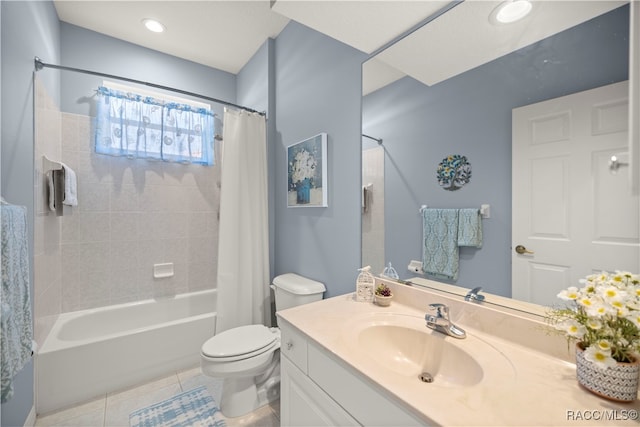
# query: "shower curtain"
{"points": [[243, 246]]}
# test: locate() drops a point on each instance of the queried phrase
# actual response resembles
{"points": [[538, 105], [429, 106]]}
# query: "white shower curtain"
{"points": [[243, 248]]}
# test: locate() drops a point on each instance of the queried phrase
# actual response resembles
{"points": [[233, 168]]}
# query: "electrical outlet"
{"points": [[415, 266]]}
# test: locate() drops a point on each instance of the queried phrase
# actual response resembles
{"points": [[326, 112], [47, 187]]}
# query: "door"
{"points": [[571, 214]]}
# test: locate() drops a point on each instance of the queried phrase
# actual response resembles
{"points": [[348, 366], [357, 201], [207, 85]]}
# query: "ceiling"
{"points": [[439, 51], [225, 34]]}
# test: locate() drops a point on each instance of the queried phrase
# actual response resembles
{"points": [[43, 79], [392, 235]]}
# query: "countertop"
{"points": [[538, 389]]}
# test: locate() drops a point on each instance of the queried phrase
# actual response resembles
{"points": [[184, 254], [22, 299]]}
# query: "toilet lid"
{"points": [[239, 341]]}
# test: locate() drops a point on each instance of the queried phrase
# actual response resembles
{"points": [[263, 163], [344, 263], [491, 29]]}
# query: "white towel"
{"points": [[70, 186]]}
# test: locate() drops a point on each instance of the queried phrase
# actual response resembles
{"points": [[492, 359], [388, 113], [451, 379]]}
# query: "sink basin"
{"points": [[403, 346]]}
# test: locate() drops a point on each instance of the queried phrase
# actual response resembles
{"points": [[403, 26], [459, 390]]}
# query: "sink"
{"points": [[403, 346]]}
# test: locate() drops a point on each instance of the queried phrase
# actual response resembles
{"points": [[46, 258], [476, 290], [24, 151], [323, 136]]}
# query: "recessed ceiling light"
{"points": [[153, 25], [510, 11]]}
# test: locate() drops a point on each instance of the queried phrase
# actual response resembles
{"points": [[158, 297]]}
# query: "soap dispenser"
{"points": [[365, 285]]}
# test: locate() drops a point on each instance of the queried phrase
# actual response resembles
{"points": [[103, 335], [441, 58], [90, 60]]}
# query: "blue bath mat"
{"points": [[193, 408]]}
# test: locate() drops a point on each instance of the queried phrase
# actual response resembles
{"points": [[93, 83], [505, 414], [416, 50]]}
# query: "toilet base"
{"points": [[243, 395]]}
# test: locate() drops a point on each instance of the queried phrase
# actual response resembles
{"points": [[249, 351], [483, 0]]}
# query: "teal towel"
{"points": [[440, 236], [16, 320], [469, 228]]}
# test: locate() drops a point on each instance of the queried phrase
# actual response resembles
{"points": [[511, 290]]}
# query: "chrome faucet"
{"points": [[474, 295], [440, 321]]}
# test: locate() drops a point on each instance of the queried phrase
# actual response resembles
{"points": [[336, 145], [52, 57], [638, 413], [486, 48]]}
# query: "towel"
{"points": [[70, 186], [55, 178], [440, 256], [469, 228], [16, 322], [63, 188], [366, 197]]}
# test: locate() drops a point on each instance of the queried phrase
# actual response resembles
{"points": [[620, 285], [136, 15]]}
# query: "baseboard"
{"points": [[31, 418]]}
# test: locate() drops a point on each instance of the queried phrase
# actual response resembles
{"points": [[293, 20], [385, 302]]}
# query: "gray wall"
{"points": [[28, 29], [470, 114], [89, 50], [255, 87], [318, 89]]}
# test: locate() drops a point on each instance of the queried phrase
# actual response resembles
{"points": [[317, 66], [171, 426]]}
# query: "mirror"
{"points": [[449, 88]]}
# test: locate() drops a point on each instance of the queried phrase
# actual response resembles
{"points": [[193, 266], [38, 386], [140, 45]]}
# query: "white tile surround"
{"points": [[46, 250], [131, 214]]}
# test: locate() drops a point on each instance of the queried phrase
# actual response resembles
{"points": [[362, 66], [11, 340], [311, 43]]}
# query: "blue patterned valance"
{"points": [[143, 127]]}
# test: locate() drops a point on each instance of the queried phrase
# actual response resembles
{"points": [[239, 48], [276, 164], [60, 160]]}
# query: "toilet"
{"points": [[248, 357]]}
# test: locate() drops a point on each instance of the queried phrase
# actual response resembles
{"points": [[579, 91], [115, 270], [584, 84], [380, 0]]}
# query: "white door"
{"points": [[569, 211]]}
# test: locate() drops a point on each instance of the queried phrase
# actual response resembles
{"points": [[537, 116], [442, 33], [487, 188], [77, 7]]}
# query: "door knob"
{"points": [[522, 250]]}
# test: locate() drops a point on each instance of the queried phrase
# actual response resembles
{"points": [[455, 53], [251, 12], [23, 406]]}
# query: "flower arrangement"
{"points": [[303, 167], [383, 290], [604, 316]]}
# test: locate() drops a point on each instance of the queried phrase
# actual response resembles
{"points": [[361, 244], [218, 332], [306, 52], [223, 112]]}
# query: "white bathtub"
{"points": [[92, 352]]}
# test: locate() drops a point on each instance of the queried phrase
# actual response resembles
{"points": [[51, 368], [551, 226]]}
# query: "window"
{"points": [[137, 126]]}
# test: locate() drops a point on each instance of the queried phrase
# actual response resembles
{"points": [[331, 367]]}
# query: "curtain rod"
{"points": [[378, 140], [39, 65]]}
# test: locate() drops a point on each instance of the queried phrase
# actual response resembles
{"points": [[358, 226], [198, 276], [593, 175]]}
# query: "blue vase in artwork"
{"points": [[304, 191]]}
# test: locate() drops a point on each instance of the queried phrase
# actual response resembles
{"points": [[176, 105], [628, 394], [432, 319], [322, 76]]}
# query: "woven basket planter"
{"points": [[619, 383]]}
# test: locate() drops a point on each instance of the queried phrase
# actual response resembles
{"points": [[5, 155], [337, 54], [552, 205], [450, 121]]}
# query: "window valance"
{"points": [[136, 126]]}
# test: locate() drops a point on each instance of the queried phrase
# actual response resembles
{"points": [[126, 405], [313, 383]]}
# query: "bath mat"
{"points": [[193, 408]]}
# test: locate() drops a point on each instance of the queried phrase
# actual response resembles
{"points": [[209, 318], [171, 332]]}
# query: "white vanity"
{"points": [[352, 363]]}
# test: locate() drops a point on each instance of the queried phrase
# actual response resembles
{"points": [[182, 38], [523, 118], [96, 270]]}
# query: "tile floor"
{"points": [[113, 409]]}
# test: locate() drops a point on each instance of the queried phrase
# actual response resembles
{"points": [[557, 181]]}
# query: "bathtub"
{"points": [[92, 352]]}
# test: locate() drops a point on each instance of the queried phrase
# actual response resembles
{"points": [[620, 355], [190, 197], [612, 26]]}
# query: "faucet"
{"points": [[440, 321], [473, 295]]}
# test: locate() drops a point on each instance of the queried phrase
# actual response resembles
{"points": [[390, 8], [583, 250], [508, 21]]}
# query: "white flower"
{"points": [[594, 324], [569, 294], [587, 302], [598, 310], [598, 278], [303, 167], [612, 293], [621, 309], [600, 358], [572, 328], [634, 317], [604, 315], [633, 304], [604, 345]]}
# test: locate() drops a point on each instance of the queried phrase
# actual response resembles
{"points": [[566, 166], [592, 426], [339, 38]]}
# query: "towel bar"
{"points": [[485, 210], [50, 165]]}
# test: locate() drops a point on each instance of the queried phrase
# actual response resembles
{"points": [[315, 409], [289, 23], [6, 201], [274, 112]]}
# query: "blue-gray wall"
{"points": [[29, 29], [82, 48], [470, 114], [255, 85], [318, 89]]}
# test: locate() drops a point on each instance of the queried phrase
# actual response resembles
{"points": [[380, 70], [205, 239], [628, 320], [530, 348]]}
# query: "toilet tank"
{"points": [[292, 290]]}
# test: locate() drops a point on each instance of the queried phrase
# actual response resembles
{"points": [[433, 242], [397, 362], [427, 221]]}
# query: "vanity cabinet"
{"points": [[319, 390]]}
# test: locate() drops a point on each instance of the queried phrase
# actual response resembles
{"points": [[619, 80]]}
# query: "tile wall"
{"points": [[131, 214], [47, 252]]}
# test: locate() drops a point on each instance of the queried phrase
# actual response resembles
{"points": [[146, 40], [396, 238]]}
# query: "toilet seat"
{"points": [[241, 343]]}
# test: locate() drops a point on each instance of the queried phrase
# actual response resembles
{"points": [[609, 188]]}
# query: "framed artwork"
{"points": [[307, 172]]}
